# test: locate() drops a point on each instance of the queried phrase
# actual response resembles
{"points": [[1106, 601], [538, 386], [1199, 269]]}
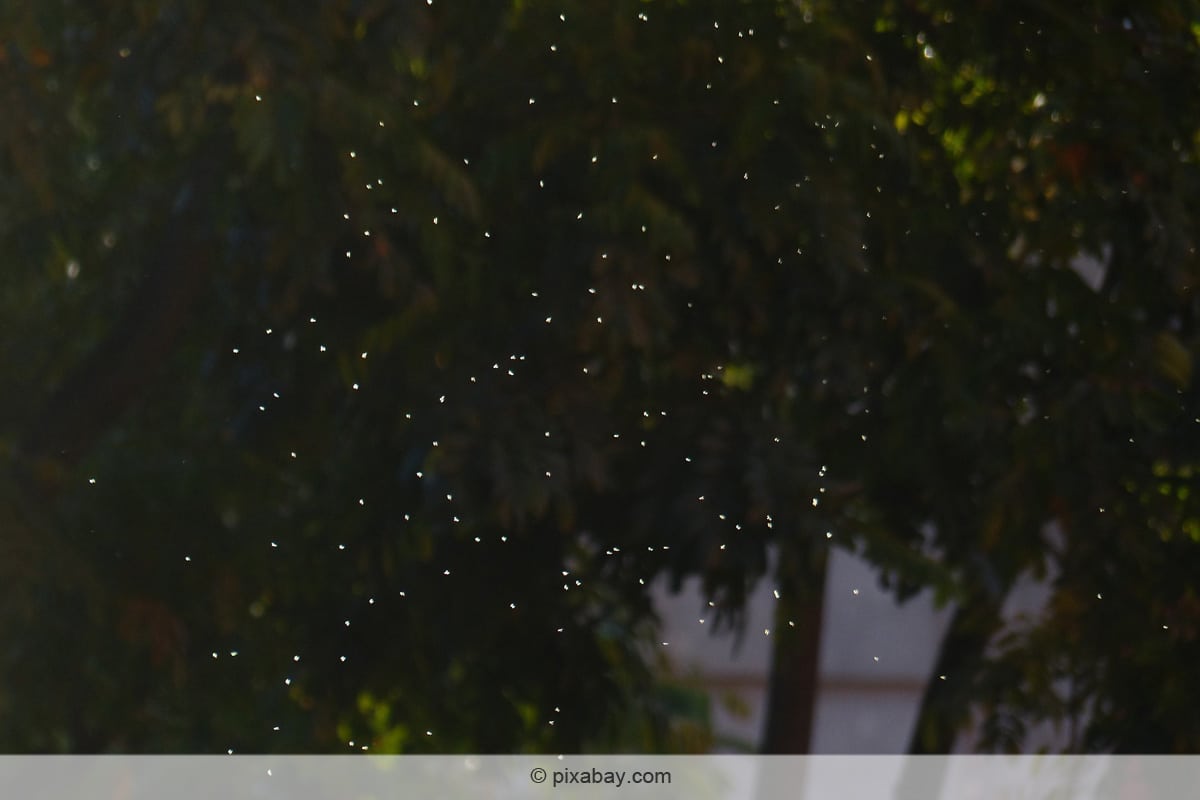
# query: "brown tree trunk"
{"points": [[792, 691], [945, 704]]}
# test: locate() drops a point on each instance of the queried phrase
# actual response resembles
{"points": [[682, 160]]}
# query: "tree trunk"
{"points": [[945, 704], [792, 691]]}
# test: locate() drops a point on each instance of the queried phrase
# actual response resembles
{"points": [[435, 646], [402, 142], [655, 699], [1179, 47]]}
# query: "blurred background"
{"points": [[774, 375]]}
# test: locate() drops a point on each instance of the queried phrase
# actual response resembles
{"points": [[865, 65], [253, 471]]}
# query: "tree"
{"points": [[411, 344]]}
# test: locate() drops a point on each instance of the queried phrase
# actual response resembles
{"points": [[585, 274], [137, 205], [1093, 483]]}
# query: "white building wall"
{"points": [[875, 657]]}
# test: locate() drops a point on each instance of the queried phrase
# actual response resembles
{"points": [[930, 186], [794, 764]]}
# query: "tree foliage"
{"points": [[398, 348]]}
